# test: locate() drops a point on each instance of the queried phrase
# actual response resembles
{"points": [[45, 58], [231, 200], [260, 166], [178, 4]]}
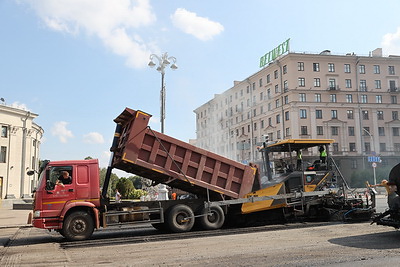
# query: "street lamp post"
{"points": [[163, 61], [374, 151]]}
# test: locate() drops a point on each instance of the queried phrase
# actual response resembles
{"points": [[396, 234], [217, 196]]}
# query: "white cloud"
{"points": [[200, 27], [113, 22], [391, 43], [93, 138], [60, 130]]}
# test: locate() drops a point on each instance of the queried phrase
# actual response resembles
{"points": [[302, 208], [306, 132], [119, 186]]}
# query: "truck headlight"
{"points": [[36, 214]]}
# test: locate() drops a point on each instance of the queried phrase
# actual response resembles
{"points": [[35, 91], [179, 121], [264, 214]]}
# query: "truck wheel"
{"points": [[180, 219], [78, 226], [213, 218]]}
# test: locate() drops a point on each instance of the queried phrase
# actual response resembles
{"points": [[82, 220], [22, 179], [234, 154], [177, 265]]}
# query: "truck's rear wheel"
{"points": [[78, 226], [213, 218], [180, 219]]}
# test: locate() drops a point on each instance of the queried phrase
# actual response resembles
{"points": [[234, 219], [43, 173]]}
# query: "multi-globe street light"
{"points": [[163, 61]]}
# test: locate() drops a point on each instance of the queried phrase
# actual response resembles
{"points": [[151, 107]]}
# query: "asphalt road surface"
{"points": [[334, 244]]}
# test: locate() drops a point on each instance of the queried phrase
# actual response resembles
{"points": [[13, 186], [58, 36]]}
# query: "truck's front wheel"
{"points": [[180, 219], [78, 226]]}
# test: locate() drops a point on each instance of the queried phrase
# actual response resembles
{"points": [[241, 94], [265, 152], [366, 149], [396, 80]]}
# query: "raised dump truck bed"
{"points": [[163, 159]]}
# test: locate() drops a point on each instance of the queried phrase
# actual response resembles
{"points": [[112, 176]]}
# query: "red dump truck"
{"points": [[226, 191]]}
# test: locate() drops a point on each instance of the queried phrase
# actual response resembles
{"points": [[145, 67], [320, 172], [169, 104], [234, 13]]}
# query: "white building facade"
{"points": [[19, 151], [349, 98]]}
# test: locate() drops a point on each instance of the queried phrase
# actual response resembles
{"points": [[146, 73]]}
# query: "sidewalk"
{"points": [[9, 217]]}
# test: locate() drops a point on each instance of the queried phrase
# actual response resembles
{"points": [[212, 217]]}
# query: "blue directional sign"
{"points": [[374, 159]]}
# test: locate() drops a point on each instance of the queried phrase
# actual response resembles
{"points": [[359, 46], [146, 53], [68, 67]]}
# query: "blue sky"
{"points": [[79, 63]]}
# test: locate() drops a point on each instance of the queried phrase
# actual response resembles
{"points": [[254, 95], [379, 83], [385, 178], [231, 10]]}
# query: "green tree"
{"points": [[136, 181], [113, 181], [88, 157], [125, 187]]}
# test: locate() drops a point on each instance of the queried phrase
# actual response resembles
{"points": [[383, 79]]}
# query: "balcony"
{"points": [[393, 90], [333, 88]]}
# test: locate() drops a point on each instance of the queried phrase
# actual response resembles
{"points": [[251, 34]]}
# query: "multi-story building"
{"points": [[19, 151], [349, 98]]}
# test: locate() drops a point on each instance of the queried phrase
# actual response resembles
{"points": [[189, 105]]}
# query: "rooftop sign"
{"points": [[274, 53]]}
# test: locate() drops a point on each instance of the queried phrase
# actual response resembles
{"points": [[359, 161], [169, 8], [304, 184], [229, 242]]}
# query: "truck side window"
{"points": [[59, 174]]}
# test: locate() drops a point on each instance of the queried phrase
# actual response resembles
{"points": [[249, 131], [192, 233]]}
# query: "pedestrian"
{"points": [[322, 154], [117, 196]]}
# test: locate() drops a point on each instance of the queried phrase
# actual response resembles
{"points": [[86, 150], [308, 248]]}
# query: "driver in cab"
{"points": [[64, 179]]}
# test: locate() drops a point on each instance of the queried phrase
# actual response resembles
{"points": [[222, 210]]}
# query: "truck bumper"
{"points": [[47, 223]]}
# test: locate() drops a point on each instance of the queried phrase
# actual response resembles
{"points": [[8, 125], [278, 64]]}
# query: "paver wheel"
{"points": [[180, 219]]}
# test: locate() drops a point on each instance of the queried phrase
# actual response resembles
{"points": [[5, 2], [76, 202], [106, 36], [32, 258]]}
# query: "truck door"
{"points": [[57, 194]]}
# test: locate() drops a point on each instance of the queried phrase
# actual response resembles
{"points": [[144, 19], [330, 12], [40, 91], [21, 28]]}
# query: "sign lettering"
{"points": [[274, 53]]}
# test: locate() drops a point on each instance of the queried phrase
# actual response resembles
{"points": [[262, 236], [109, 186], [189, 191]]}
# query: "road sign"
{"points": [[374, 165], [374, 159]]}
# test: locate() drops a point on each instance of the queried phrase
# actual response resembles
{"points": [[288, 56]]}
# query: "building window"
{"points": [[347, 68], [302, 97], [363, 85], [367, 147], [395, 115], [349, 98], [377, 69], [261, 96], [315, 66], [3, 154], [302, 82], [382, 147], [379, 113], [318, 114], [317, 97], [278, 134], [278, 118], [335, 147], [284, 69], [331, 67], [393, 99], [303, 114], [348, 83], [378, 99], [320, 130], [351, 131], [381, 131], [260, 82], [277, 103], [300, 66], [350, 114], [287, 131], [333, 98], [364, 99], [365, 115], [303, 130], [268, 78], [276, 74], [391, 70], [285, 86], [262, 124], [4, 131], [334, 114], [276, 89], [395, 131], [335, 130], [317, 82], [287, 115], [332, 84], [378, 84], [286, 99], [352, 147], [362, 69]]}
